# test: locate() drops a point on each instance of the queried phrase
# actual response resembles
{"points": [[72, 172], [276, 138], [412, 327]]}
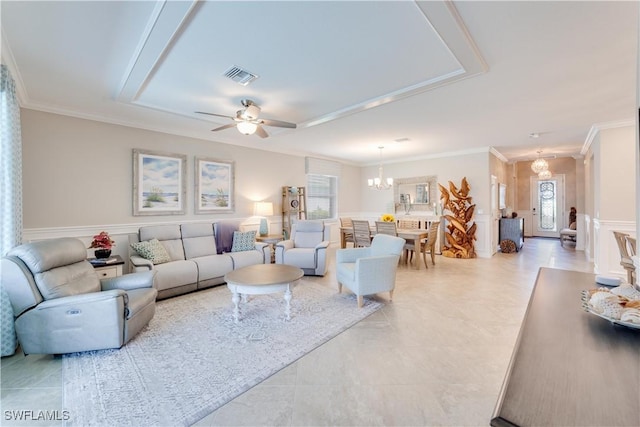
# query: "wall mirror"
{"points": [[415, 194]]}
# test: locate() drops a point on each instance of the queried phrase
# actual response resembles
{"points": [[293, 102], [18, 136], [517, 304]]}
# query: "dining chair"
{"points": [[632, 252], [625, 258], [348, 235], [361, 233], [383, 227], [408, 223]]}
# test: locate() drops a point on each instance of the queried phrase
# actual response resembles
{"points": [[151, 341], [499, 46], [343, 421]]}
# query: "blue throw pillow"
{"points": [[244, 241]]}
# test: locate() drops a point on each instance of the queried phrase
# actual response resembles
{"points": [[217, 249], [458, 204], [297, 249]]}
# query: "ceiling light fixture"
{"points": [[545, 174], [247, 128], [539, 164], [380, 183]]}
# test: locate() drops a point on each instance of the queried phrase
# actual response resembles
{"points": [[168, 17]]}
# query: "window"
{"points": [[322, 188], [322, 193]]}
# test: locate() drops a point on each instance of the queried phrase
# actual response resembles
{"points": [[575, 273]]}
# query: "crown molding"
{"points": [[498, 154], [596, 128]]}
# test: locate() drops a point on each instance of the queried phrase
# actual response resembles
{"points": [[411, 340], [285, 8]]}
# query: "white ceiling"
{"points": [[353, 75]]}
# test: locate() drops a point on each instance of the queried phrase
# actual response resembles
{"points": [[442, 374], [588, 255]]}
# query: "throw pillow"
{"points": [[572, 226], [152, 250], [244, 241]]}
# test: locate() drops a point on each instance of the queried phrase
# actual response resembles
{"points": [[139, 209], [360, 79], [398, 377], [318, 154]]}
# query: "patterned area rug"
{"points": [[192, 358]]}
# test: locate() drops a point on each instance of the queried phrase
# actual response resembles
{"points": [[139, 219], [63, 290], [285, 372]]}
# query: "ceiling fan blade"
{"points": [[232, 125], [214, 114], [277, 123], [261, 132]]}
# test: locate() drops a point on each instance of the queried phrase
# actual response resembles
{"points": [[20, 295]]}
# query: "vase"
{"points": [[102, 253]]}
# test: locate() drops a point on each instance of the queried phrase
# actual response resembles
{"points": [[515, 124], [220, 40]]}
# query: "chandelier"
{"points": [[545, 174], [539, 164], [380, 183]]}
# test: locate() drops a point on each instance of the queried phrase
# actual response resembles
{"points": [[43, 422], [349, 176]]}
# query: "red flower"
{"points": [[102, 241]]}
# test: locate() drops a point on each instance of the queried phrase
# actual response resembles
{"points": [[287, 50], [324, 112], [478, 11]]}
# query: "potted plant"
{"points": [[103, 243]]}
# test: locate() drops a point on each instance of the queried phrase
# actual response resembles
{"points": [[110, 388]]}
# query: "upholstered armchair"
{"points": [[307, 248], [371, 270], [60, 305]]}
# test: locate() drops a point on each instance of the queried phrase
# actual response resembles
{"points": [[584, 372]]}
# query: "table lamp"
{"points": [[263, 209]]}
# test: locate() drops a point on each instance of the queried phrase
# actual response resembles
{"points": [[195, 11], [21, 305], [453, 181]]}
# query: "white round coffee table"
{"points": [[262, 279]]}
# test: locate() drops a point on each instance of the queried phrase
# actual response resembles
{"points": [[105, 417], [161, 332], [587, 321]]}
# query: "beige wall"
{"points": [[475, 167], [616, 183], [561, 165], [79, 172]]}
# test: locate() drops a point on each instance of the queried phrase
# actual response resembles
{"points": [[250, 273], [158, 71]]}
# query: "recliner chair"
{"points": [[61, 306], [307, 248]]}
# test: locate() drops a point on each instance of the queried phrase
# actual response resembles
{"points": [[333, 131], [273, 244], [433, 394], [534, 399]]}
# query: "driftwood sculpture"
{"points": [[458, 210]]}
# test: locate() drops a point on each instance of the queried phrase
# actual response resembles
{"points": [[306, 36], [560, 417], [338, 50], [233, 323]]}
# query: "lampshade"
{"points": [[263, 209], [247, 128]]}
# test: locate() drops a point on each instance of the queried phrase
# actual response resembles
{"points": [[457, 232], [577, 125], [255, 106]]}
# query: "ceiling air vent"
{"points": [[240, 76]]}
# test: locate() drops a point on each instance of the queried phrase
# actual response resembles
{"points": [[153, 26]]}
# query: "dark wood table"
{"points": [[570, 367]]}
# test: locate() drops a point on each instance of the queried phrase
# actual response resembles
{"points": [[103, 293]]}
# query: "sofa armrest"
{"points": [[129, 281], [74, 300], [350, 254], [285, 244], [323, 245], [260, 246], [140, 264]]}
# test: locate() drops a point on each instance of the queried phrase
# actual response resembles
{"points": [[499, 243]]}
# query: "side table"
{"points": [[108, 267], [271, 239]]}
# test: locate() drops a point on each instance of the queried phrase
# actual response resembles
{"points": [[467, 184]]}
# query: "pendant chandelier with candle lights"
{"points": [[380, 183]]}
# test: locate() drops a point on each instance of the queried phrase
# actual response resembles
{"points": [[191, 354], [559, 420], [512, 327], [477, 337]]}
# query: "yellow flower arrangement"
{"points": [[388, 218]]}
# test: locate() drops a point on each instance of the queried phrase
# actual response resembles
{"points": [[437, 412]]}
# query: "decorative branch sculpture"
{"points": [[461, 232]]}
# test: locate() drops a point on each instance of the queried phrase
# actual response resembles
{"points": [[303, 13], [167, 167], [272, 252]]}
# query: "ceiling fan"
{"points": [[247, 121]]}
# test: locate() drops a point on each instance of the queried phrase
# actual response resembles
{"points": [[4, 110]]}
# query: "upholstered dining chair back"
{"points": [[361, 233]]}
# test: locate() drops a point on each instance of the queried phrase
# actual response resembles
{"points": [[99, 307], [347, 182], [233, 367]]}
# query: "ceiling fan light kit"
{"points": [[247, 128], [247, 121]]}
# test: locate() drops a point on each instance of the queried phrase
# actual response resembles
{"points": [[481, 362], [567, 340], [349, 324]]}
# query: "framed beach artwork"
{"points": [[214, 186], [159, 184]]}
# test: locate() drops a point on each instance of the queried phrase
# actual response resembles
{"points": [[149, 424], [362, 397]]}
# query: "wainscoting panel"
{"points": [[606, 257]]}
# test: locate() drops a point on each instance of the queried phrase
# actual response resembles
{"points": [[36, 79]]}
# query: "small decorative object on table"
{"points": [[387, 218], [103, 243]]}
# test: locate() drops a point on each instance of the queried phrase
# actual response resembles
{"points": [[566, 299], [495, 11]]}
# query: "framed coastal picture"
{"points": [[214, 186], [159, 184]]}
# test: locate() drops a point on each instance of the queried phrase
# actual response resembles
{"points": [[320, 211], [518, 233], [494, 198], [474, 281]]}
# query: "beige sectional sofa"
{"points": [[195, 261]]}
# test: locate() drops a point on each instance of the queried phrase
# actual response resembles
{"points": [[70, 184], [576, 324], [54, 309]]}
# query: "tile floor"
{"points": [[437, 355]]}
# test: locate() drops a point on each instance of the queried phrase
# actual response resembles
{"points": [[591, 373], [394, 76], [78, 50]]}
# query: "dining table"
{"points": [[415, 235]]}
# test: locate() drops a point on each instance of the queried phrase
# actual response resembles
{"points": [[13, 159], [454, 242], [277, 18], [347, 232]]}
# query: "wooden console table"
{"points": [[570, 367]]}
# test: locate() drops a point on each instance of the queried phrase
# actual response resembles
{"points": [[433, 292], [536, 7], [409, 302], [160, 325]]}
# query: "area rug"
{"points": [[192, 358]]}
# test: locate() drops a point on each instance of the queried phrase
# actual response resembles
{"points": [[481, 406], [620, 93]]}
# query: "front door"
{"points": [[547, 205]]}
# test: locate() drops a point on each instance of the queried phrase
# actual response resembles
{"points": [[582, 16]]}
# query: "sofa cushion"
{"points": [[152, 250], [213, 266], [170, 237], [174, 274], [301, 257], [246, 258], [308, 234], [198, 240], [244, 241]]}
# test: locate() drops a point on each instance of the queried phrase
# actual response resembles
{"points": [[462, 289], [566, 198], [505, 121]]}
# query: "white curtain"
{"points": [[10, 164]]}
